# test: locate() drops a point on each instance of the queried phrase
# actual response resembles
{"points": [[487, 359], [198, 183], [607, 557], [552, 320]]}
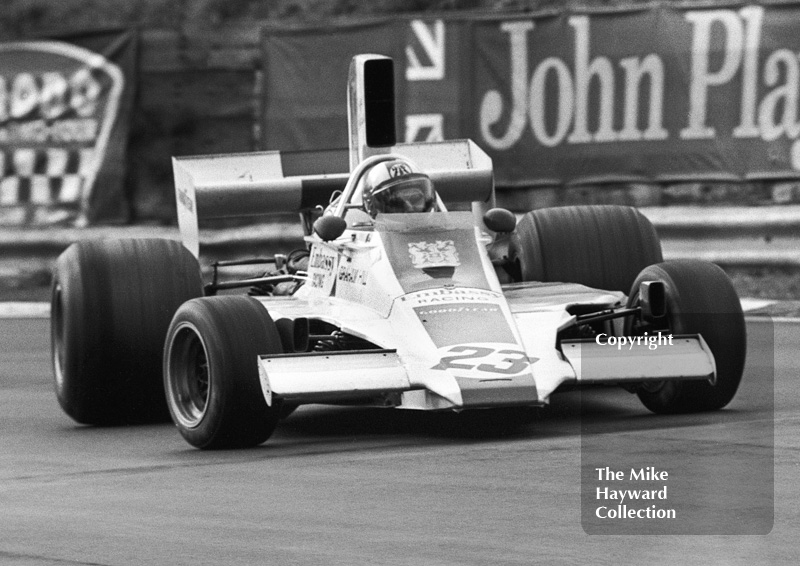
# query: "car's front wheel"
{"points": [[700, 300], [211, 372]]}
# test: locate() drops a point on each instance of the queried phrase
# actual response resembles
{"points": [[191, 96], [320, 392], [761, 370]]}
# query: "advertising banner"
{"points": [[64, 113], [659, 93]]}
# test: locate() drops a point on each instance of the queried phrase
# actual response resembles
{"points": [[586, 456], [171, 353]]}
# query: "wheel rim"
{"points": [[57, 325], [188, 377]]}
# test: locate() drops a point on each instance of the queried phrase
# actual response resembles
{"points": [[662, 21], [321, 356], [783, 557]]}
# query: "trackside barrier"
{"points": [[730, 236]]}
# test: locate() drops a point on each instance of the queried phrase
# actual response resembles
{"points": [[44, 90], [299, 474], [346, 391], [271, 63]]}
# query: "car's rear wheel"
{"points": [[111, 304], [600, 246], [700, 300], [211, 372]]}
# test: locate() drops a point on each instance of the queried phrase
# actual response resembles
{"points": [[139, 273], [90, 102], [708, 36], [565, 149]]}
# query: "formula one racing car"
{"points": [[412, 292]]}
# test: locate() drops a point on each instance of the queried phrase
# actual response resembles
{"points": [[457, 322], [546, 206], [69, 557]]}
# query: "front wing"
{"points": [[387, 377]]}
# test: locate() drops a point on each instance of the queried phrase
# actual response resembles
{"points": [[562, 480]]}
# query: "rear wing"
{"points": [[273, 182], [250, 184]]}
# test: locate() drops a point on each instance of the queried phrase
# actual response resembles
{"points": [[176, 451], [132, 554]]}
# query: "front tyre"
{"points": [[211, 372], [700, 300]]}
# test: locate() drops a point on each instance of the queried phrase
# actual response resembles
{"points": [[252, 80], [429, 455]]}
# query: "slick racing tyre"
{"points": [[700, 300], [111, 304], [600, 246], [211, 372]]}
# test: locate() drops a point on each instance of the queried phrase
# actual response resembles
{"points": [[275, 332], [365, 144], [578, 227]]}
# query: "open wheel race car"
{"points": [[395, 302]]}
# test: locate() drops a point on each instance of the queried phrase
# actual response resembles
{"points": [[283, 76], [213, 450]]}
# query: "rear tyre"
{"points": [[211, 372], [700, 300], [600, 246], [111, 305]]}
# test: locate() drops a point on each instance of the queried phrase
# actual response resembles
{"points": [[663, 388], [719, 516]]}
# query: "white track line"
{"points": [[20, 309], [753, 304]]}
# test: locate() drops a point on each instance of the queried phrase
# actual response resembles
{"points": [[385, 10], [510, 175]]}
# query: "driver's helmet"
{"points": [[397, 186]]}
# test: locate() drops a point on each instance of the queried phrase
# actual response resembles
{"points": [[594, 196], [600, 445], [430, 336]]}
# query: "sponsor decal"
{"points": [[465, 323], [321, 269], [441, 253], [322, 261], [444, 296], [318, 281], [354, 275], [185, 200]]}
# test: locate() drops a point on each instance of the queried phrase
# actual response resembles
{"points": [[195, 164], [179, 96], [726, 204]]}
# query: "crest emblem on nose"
{"points": [[441, 253]]}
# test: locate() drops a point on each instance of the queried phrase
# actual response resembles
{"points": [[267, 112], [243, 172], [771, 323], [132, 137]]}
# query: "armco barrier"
{"points": [[732, 236]]}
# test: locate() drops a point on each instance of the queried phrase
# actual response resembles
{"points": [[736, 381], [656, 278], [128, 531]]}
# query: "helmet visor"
{"points": [[411, 193]]}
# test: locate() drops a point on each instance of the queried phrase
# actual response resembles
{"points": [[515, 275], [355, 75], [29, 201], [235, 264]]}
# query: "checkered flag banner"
{"points": [[46, 176], [58, 106]]}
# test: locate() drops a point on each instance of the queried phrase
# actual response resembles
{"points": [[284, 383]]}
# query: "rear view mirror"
{"points": [[330, 227], [653, 299], [500, 220]]}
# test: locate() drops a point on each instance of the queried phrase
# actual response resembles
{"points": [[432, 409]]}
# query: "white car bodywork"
{"points": [[447, 341]]}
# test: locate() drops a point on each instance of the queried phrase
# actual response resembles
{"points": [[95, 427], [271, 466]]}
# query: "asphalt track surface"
{"points": [[363, 486]]}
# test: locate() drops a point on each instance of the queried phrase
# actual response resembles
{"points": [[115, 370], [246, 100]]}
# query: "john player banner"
{"points": [[659, 93], [64, 110]]}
